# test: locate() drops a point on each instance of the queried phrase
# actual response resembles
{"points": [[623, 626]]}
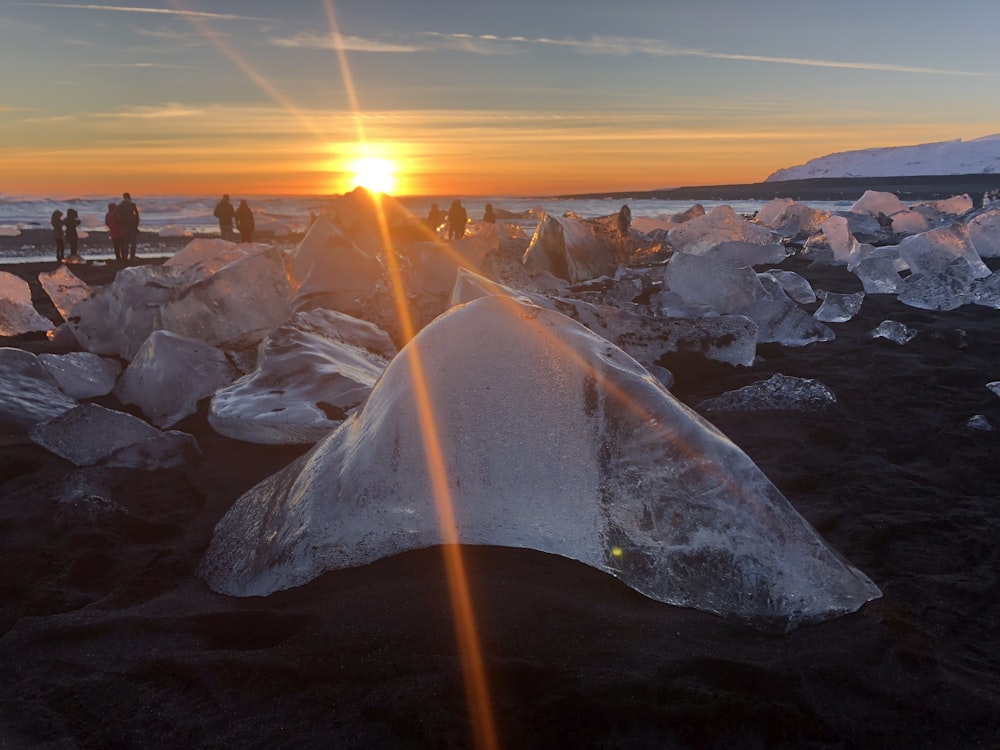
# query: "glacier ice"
{"points": [[795, 286], [878, 275], [330, 270], [65, 289], [986, 292], [839, 239], [235, 304], [569, 249], [784, 322], [790, 219], [722, 224], [779, 392], [726, 285], [894, 331], [875, 202], [723, 338], [932, 252], [946, 288], [838, 308], [170, 374], [312, 372], [548, 438], [82, 375], [17, 314], [909, 222], [984, 232], [91, 434], [30, 394]]}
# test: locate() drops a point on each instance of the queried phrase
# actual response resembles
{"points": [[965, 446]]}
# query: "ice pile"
{"points": [[631, 482]]}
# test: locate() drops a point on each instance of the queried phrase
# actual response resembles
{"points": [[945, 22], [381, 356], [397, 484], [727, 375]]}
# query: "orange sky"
{"points": [[268, 102]]}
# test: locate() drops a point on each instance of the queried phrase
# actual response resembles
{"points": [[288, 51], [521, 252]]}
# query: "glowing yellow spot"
{"points": [[616, 551], [374, 174]]}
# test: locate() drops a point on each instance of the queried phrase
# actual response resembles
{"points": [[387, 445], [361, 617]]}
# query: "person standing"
{"points": [[127, 214], [114, 231], [57, 234], [70, 223], [225, 213], [488, 215], [457, 219], [244, 222]]}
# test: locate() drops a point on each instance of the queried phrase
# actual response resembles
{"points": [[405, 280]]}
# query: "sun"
{"points": [[373, 174]]}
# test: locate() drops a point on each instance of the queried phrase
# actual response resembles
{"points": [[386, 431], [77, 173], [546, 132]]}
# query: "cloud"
{"points": [[157, 11], [314, 40], [622, 46]]}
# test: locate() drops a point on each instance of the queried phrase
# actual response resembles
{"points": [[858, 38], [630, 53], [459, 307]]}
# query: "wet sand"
{"points": [[108, 638]]}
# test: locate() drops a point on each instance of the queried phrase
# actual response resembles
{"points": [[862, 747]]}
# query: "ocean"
{"points": [[180, 216]]}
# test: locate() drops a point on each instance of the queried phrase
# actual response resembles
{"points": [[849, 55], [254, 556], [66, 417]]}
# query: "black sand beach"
{"points": [[109, 640]]}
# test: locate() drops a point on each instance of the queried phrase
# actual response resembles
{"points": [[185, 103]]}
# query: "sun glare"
{"points": [[376, 175]]}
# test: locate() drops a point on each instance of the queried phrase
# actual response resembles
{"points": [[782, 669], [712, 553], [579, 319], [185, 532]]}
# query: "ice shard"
{"points": [[779, 392], [312, 372], [17, 314], [569, 249], [549, 438], [29, 394], [82, 375], [838, 308], [723, 224], [724, 284], [170, 374], [65, 289], [893, 330], [92, 434]]}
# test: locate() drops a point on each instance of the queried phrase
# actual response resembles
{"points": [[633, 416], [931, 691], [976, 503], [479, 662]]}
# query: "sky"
{"points": [[526, 97]]}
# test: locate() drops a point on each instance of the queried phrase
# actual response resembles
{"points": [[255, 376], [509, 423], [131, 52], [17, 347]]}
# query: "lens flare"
{"points": [[373, 174]]}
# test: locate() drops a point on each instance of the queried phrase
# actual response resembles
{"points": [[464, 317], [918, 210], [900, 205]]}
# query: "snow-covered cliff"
{"points": [[978, 156]]}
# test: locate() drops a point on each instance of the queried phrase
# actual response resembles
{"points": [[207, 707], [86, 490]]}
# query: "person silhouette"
{"points": [[115, 231], [127, 214], [488, 214], [435, 216], [225, 213], [57, 234], [244, 222], [70, 223], [457, 219]]}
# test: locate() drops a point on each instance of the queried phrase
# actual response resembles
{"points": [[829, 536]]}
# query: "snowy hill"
{"points": [[978, 156]]}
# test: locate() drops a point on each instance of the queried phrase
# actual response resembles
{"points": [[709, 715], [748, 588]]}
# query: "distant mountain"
{"points": [[958, 157]]}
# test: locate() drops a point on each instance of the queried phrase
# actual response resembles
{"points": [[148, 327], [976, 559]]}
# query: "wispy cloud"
{"points": [[138, 65], [313, 40], [622, 46], [156, 11]]}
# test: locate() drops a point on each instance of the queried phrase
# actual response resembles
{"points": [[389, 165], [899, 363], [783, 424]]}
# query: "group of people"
{"points": [[242, 216], [122, 221], [455, 219]]}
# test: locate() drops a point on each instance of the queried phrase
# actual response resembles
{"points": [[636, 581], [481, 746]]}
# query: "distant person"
{"points": [[57, 234], [127, 214], [457, 219], [244, 222], [115, 231], [624, 219], [225, 213], [70, 223], [435, 217], [488, 215]]}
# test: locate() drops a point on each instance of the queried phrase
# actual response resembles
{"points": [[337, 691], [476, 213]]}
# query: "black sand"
{"points": [[109, 640]]}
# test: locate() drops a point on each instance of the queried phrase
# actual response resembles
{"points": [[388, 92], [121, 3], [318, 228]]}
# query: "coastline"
{"points": [[907, 189]]}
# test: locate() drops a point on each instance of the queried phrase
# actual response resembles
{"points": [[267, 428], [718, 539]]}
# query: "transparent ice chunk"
{"points": [[313, 371], [894, 331], [17, 314], [65, 289], [569, 249], [82, 375], [170, 374], [722, 224], [551, 439], [30, 394], [838, 308], [779, 392]]}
